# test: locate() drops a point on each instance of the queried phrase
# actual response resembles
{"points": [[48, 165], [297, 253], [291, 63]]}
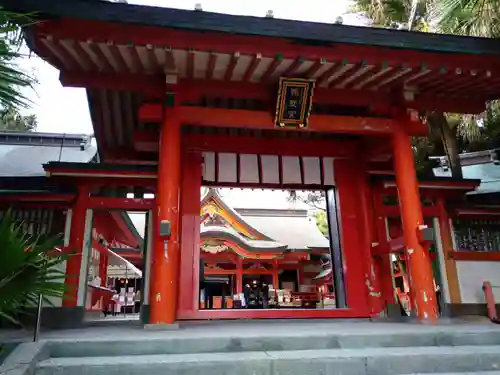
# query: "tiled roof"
{"points": [[481, 165], [297, 231], [250, 245], [303, 32], [23, 154]]}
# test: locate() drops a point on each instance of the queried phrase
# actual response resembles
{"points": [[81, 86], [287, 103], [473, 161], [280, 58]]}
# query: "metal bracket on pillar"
{"points": [[425, 234]]}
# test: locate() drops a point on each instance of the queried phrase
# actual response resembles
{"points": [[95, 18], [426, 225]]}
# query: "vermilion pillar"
{"points": [[372, 277], [419, 262], [103, 267], [166, 259], [276, 282], [75, 247], [239, 277]]}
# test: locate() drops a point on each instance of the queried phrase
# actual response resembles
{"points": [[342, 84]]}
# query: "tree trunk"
{"points": [[439, 126]]}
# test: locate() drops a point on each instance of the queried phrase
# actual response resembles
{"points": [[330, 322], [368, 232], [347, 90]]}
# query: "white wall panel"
{"points": [[312, 170], [249, 168], [328, 172], [291, 170], [472, 274], [227, 168], [270, 169], [209, 166]]}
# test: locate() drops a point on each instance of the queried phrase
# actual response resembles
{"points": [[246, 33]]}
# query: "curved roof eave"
{"points": [[212, 193], [252, 245]]}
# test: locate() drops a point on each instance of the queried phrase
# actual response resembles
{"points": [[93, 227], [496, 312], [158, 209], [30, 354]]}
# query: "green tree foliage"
{"points": [[466, 17], [322, 222], [394, 13], [453, 131], [12, 78], [29, 268]]}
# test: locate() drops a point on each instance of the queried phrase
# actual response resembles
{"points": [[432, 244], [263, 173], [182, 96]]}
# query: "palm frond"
{"points": [[29, 268], [12, 79], [467, 17]]}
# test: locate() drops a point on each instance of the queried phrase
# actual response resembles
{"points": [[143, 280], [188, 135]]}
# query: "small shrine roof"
{"points": [[247, 244], [481, 165], [293, 227], [22, 154]]}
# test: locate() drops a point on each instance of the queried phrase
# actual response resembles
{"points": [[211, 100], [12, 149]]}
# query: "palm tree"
{"points": [[12, 78], [398, 14], [466, 17], [30, 268], [415, 15]]}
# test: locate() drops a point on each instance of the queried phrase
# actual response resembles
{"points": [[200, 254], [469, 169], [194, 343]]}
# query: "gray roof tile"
{"points": [[311, 33], [23, 154]]}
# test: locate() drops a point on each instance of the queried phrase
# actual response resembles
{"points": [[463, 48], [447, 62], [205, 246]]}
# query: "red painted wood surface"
{"points": [[419, 263], [190, 234], [281, 146], [479, 256], [249, 119], [366, 211], [346, 176], [75, 247], [191, 91], [166, 262], [126, 34]]}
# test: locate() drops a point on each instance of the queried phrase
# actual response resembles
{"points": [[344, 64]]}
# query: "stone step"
{"points": [[368, 361], [178, 344]]}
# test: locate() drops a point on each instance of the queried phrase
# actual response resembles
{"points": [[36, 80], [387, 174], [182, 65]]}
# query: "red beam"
{"points": [[126, 204], [273, 314], [45, 198], [258, 145], [153, 85], [233, 118], [237, 118], [478, 256], [191, 90]]}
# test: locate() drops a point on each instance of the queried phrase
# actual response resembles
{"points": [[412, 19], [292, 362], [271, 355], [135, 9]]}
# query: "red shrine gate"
{"points": [[166, 86]]}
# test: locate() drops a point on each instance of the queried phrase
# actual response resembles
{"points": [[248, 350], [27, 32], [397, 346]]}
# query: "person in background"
{"points": [[137, 302]]}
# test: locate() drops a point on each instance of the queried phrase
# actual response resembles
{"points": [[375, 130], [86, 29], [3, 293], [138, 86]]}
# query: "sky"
{"points": [[64, 110]]}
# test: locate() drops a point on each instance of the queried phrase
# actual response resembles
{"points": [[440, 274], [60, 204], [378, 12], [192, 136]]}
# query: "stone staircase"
{"points": [[377, 349]]}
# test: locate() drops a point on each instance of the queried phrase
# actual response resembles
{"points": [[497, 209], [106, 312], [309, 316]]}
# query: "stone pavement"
{"points": [[251, 328], [270, 347]]}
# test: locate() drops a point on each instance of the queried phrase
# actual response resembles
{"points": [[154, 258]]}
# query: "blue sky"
{"points": [[64, 110]]}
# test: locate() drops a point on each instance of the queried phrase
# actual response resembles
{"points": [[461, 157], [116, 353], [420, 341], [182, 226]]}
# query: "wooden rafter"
{"points": [[117, 58], [102, 60], [212, 60], [256, 59], [228, 75]]}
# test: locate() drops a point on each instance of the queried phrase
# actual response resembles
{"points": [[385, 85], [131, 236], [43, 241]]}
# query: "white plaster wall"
{"points": [[472, 274]]}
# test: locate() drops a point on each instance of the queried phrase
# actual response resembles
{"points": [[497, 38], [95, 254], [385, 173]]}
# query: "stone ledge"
{"points": [[23, 360], [162, 327]]}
